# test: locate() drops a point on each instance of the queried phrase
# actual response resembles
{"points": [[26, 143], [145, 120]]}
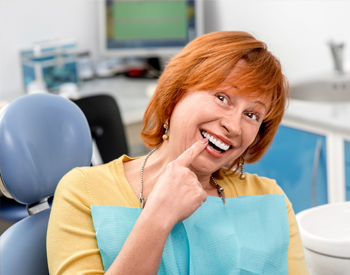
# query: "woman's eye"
{"points": [[253, 116], [221, 98]]}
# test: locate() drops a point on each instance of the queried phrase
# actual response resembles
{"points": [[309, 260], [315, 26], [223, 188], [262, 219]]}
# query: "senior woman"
{"points": [[188, 207]]}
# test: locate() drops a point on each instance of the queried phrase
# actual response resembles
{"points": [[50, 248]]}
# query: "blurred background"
{"points": [[296, 31], [85, 48], [106, 56]]}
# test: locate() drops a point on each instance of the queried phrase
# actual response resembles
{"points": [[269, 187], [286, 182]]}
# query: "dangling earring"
{"points": [[240, 168], [166, 127]]}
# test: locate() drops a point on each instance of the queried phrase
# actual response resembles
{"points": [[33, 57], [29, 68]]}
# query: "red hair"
{"points": [[205, 64]]}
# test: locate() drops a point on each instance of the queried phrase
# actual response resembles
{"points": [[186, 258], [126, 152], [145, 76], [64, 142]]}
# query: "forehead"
{"points": [[239, 82]]}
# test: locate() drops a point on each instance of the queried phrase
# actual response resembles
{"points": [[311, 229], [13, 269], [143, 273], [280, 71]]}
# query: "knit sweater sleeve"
{"points": [[71, 240]]}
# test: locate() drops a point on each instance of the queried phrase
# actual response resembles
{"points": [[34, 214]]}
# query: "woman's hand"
{"points": [[177, 193]]}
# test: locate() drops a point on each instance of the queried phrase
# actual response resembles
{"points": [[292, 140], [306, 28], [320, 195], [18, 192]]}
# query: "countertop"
{"points": [[333, 116], [130, 94]]}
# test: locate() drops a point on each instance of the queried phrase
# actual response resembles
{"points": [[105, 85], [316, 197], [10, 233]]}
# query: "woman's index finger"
{"points": [[186, 158]]}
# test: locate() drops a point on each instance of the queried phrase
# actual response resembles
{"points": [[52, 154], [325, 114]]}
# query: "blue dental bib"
{"points": [[249, 235]]}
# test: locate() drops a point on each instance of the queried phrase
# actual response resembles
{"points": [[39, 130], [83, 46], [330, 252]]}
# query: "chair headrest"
{"points": [[42, 137]]}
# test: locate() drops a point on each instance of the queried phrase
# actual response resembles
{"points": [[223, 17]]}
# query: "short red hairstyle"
{"points": [[205, 64]]}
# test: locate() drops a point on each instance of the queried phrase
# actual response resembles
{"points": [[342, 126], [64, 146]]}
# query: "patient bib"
{"points": [[249, 235]]}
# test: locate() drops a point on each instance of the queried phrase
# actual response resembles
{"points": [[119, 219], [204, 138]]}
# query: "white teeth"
{"points": [[217, 151], [217, 143]]}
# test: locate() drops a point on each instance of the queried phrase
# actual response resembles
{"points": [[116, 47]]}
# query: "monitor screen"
{"points": [[148, 27]]}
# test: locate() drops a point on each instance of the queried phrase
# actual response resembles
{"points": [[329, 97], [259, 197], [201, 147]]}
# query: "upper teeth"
{"points": [[217, 143]]}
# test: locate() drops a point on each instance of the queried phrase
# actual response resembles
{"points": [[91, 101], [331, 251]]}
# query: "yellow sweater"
{"points": [[71, 240]]}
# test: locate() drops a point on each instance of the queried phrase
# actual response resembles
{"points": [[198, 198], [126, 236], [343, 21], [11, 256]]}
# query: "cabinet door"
{"points": [[347, 169], [297, 161]]}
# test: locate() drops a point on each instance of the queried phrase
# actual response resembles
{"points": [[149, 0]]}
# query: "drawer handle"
{"points": [[314, 172]]}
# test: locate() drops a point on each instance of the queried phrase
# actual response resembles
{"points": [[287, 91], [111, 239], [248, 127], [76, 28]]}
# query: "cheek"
{"points": [[250, 135]]}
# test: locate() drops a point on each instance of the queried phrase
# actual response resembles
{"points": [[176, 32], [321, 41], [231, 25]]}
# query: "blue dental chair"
{"points": [[42, 137]]}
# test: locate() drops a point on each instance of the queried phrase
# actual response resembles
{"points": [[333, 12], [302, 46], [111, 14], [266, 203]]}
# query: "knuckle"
{"points": [[199, 194], [187, 172], [190, 152], [193, 182], [170, 166]]}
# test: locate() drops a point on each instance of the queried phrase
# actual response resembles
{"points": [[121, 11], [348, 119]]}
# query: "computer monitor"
{"points": [[148, 28]]}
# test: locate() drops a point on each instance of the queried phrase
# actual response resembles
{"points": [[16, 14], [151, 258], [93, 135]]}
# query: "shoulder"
{"points": [[251, 185], [99, 185], [80, 175], [261, 185], [89, 182]]}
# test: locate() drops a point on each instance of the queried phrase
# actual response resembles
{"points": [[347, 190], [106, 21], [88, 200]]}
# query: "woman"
{"points": [[218, 103]]}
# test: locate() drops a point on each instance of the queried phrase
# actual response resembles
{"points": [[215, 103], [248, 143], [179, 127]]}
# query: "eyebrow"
{"points": [[257, 101], [261, 103]]}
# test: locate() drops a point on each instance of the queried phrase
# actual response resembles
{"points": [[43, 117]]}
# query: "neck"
{"points": [[206, 182]]}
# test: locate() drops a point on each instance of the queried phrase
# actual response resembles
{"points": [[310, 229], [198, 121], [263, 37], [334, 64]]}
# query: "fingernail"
{"points": [[204, 140]]}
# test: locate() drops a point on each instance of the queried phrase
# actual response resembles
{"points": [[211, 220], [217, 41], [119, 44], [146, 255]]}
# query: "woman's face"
{"points": [[230, 120]]}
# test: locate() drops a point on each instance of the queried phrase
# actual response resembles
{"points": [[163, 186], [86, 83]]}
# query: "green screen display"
{"points": [[135, 20]]}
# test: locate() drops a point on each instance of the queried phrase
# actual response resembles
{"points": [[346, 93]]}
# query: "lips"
{"points": [[218, 145]]}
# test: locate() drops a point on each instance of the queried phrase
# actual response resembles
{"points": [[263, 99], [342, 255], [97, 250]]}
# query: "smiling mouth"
{"points": [[217, 145]]}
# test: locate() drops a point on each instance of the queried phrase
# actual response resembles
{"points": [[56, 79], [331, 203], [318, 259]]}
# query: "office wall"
{"points": [[24, 21], [297, 31]]}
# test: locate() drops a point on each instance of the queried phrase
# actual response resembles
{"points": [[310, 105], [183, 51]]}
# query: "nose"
{"points": [[232, 124]]}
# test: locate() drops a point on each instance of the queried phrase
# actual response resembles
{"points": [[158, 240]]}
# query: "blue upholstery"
{"points": [[23, 246], [42, 137], [12, 211]]}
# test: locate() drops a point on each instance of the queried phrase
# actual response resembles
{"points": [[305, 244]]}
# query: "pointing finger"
{"points": [[186, 158]]}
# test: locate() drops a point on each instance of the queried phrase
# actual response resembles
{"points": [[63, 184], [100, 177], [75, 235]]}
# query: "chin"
{"points": [[203, 166]]}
